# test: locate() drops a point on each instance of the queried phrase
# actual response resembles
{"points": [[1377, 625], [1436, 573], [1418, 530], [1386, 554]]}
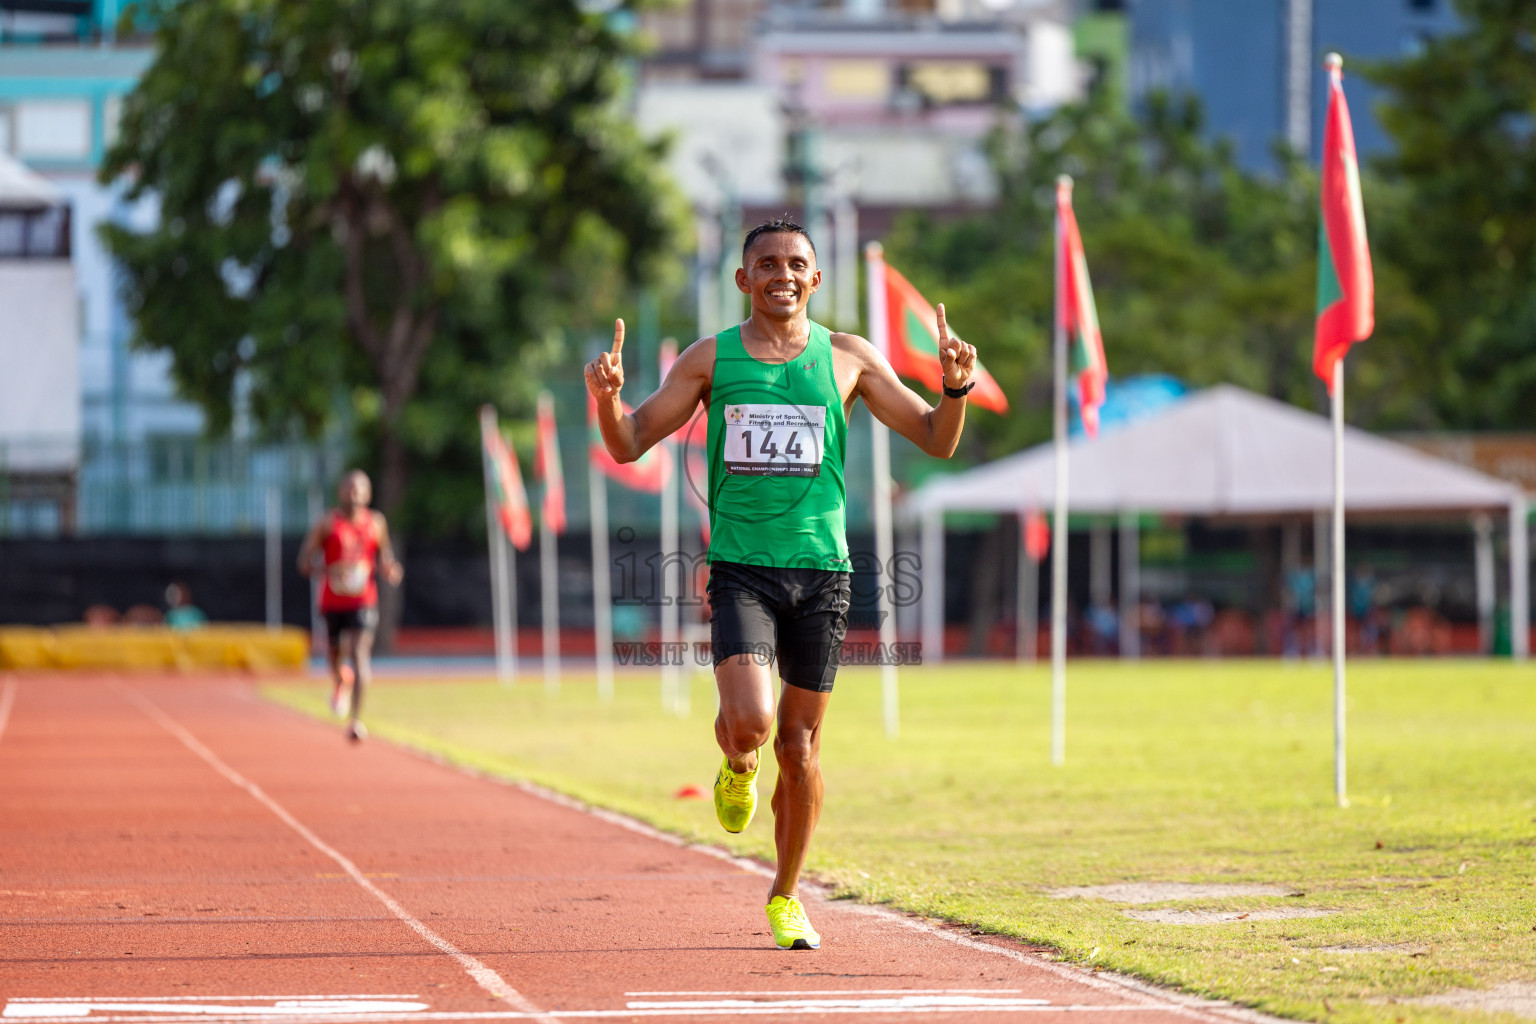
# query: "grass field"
{"points": [[1176, 772]]}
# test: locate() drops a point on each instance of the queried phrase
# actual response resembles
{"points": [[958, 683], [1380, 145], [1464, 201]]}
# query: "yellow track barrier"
{"points": [[153, 648]]}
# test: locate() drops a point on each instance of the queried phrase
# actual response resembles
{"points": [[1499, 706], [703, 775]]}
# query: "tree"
{"points": [[1200, 269], [369, 207], [1463, 116]]}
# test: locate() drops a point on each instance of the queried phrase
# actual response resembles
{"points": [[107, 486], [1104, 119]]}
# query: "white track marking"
{"points": [[846, 1001], [200, 999], [1155, 998], [758, 1010], [278, 1008], [7, 698], [482, 975], [849, 992]]}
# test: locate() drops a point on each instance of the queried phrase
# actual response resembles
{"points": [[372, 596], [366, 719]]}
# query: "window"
{"points": [[53, 129]]}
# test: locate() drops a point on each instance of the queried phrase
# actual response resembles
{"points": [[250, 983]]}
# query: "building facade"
{"points": [[1256, 65]]}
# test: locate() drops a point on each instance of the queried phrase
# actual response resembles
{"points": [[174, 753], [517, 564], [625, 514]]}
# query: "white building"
{"points": [[39, 350]]}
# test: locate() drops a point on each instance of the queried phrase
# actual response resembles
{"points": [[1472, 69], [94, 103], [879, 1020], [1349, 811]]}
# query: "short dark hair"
{"points": [[777, 226]]}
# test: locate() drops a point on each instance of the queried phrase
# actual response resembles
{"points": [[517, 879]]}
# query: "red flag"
{"points": [[912, 346], [510, 499], [1077, 315], [1036, 535], [546, 465], [647, 473], [1345, 287]]}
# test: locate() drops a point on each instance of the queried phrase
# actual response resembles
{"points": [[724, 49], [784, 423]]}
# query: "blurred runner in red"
{"points": [[354, 540]]}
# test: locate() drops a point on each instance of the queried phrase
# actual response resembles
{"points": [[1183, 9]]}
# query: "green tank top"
{"points": [[777, 439]]}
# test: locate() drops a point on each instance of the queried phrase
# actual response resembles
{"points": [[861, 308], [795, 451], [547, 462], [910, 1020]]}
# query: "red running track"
{"points": [[177, 851]]}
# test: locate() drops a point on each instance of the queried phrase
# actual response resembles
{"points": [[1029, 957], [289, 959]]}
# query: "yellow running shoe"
{"points": [[791, 929], [735, 796]]}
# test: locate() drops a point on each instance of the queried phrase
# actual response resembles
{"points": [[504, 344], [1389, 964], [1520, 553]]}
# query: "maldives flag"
{"points": [[647, 473], [912, 329], [1076, 313], [546, 465], [510, 499], [1345, 287]]}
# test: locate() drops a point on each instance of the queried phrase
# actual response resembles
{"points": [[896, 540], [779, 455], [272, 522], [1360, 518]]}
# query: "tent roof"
{"points": [[1223, 451], [22, 187]]}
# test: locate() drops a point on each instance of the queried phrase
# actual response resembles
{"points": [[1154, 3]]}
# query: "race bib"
{"points": [[349, 579], [774, 440]]}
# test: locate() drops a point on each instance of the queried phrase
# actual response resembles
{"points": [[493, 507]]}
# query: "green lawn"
{"points": [[1189, 772]]}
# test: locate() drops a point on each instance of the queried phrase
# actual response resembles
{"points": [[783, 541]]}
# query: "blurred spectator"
{"points": [[143, 615], [1363, 609], [181, 613], [630, 622], [1188, 620], [1154, 628], [1419, 631], [1300, 609], [101, 615], [1232, 634], [1103, 629]]}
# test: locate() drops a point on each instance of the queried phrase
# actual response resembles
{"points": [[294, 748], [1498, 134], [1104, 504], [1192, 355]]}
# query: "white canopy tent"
{"points": [[21, 188], [1223, 452]]}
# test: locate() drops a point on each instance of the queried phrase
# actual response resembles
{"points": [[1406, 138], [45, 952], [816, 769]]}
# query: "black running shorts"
{"points": [[799, 616], [356, 620]]}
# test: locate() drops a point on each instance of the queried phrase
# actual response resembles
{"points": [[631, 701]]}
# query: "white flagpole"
{"points": [[549, 569], [496, 552], [549, 588], [1338, 584], [1059, 519], [509, 602], [1519, 580], [602, 583], [670, 566], [885, 543]]}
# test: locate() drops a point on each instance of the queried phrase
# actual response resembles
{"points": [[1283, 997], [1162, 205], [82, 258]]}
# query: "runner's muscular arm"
{"points": [[394, 572], [934, 429], [628, 436]]}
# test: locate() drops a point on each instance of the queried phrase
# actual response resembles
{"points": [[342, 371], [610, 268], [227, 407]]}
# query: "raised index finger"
{"points": [[618, 336], [943, 327]]}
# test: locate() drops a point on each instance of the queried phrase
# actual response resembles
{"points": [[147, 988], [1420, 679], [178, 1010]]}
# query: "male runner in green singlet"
{"points": [[778, 389]]}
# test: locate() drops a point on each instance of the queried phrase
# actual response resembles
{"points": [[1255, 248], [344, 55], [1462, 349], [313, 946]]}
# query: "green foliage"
{"points": [[1194, 772], [380, 212], [1463, 116], [1199, 269]]}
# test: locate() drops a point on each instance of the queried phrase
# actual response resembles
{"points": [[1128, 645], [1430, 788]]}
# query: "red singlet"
{"points": [[350, 550]]}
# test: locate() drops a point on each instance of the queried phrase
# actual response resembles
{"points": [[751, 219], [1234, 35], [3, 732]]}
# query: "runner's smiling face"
{"points": [[780, 274]]}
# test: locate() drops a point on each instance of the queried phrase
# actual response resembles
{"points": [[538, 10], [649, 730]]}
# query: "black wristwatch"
{"points": [[958, 392]]}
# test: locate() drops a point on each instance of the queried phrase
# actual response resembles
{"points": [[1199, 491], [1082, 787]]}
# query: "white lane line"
{"points": [[734, 1011], [1155, 998], [849, 1000], [482, 975], [846, 992], [7, 698], [200, 999], [1159, 999], [280, 1008]]}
